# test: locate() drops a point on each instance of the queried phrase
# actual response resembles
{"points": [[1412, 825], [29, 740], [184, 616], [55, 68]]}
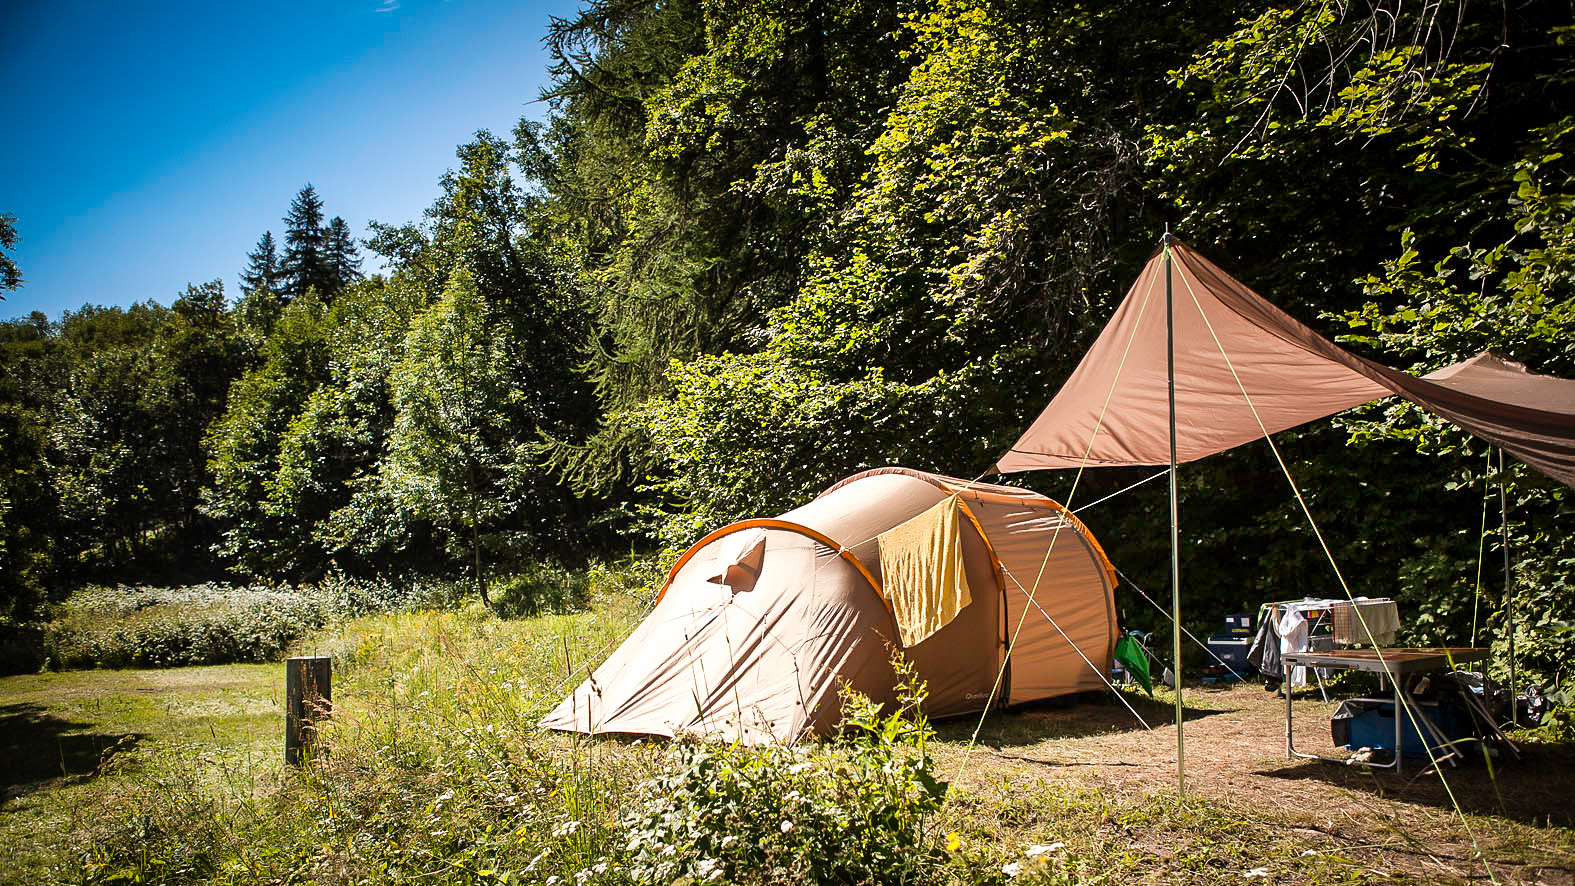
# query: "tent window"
{"points": [[738, 565]]}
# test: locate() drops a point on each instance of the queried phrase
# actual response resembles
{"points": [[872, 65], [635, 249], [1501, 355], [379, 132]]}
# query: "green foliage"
{"points": [[855, 811], [957, 274], [10, 274], [211, 624], [243, 444], [29, 509], [1517, 298], [694, 155], [450, 456], [540, 588], [159, 627], [395, 428]]}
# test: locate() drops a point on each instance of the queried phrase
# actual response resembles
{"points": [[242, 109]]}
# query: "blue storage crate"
{"points": [[1231, 650], [1371, 724]]}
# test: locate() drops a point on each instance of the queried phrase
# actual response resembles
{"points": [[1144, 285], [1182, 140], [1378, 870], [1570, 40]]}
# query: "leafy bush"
{"points": [[541, 588], [851, 811], [211, 623]]}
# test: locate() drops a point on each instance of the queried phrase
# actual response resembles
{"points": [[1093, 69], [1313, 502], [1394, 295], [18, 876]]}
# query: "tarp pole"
{"points": [[1175, 524], [1509, 586]]}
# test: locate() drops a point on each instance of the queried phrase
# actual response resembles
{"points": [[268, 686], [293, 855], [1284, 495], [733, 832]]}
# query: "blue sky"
{"points": [[151, 145]]}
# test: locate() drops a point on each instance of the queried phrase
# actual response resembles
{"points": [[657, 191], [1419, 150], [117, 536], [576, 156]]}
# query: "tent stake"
{"points": [[1509, 587], [1175, 523]]}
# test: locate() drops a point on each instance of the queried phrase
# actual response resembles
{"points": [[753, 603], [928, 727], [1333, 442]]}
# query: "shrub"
{"points": [[853, 810], [212, 623], [541, 588]]}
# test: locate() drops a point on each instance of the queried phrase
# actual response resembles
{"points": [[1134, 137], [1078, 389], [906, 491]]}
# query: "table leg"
{"points": [[1289, 748], [1399, 733]]}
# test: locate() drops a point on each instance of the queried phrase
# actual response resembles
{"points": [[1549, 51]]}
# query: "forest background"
{"points": [[757, 247]]}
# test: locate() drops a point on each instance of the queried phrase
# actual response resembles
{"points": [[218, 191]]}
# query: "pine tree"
{"points": [[344, 262], [262, 269], [305, 239]]}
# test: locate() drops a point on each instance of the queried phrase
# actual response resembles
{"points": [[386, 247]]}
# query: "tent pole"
{"points": [[1509, 586], [1175, 531]]}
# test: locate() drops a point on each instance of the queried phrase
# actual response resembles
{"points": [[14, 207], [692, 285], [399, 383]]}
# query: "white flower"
{"points": [[1012, 868], [705, 867], [1309, 852], [786, 825], [729, 840], [1256, 874], [537, 860], [565, 829], [1039, 849], [551, 880]]}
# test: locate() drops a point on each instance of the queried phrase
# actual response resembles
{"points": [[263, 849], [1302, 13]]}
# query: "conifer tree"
{"points": [[344, 262], [305, 240], [262, 269]]}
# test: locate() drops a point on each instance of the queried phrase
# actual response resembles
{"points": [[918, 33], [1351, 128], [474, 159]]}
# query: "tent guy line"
{"points": [[1121, 696], [1306, 377]]}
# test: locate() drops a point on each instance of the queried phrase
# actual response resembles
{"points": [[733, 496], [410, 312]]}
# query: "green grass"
{"points": [[437, 774], [74, 744]]}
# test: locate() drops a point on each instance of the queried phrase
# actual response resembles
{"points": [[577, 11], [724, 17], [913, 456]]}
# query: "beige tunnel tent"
{"points": [[760, 621]]}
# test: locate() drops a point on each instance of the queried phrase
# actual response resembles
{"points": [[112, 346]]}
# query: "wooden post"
{"points": [[308, 697]]}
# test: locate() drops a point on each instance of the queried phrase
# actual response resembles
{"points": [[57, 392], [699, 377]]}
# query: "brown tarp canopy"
{"points": [[1244, 369]]}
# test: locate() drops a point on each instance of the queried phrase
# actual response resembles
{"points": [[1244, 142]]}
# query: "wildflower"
{"points": [[552, 880], [953, 842], [729, 840], [1012, 868], [1256, 874], [786, 825], [706, 868]]}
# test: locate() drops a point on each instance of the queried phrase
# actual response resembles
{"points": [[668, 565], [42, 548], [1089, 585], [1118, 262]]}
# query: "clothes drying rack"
{"points": [[1331, 622]]}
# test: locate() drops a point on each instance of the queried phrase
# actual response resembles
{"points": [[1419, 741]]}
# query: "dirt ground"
{"points": [[1520, 812]]}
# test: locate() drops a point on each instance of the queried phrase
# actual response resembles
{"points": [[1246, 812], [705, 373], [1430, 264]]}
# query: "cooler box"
{"points": [[1231, 650], [1370, 723]]}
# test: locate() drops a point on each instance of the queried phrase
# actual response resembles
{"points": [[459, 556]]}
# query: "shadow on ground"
{"points": [[1089, 715], [1538, 789], [37, 748]]}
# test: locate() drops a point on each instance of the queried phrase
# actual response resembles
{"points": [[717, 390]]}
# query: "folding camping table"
{"points": [[1397, 664]]}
